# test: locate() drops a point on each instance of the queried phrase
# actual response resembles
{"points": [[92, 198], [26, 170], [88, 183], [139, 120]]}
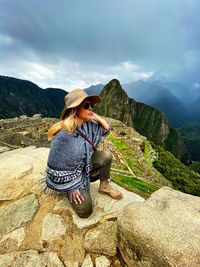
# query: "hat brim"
{"points": [[93, 98]]}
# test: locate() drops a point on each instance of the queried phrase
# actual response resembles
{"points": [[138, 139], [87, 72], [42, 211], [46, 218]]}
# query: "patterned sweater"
{"points": [[69, 162]]}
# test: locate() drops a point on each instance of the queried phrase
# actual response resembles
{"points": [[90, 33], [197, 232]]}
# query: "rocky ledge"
{"points": [[43, 230]]}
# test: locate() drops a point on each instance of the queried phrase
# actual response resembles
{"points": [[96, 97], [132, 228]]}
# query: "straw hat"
{"points": [[74, 99]]}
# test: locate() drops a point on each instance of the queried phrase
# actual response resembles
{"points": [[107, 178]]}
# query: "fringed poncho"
{"points": [[69, 162]]}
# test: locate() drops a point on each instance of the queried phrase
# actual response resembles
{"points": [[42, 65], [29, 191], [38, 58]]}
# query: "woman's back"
{"points": [[67, 150]]}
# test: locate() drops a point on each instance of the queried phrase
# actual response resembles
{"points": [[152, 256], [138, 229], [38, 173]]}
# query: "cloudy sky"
{"points": [[77, 43]]}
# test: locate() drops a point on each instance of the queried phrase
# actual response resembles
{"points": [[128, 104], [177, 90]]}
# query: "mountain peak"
{"points": [[114, 83], [148, 120], [113, 87]]}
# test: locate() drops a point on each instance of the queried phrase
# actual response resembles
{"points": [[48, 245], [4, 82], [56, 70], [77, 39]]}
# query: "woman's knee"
{"points": [[84, 209], [86, 213], [101, 158], [107, 155]]}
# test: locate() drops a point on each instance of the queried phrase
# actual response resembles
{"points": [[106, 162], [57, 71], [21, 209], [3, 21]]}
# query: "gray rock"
{"points": [[102, 239], [38, 115], [87, 261], [162, 231], [14, 214], [4, 149], [71, 264], [53, 227], [17, 235], [22, 167], [23, 117], [30, 258], [102, 261]]}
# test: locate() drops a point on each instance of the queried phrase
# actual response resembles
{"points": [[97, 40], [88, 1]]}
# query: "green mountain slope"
{"points": [[21, 97], [145, 119], [191, 135]]}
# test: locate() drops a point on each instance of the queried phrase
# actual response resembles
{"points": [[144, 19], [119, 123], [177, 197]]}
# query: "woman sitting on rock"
{"points": [[73, 160]]}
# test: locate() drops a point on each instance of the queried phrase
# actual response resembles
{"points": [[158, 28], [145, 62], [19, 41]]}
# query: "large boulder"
{"points": [[20, 170], [14, 214], [162, 231], [102, 239]]}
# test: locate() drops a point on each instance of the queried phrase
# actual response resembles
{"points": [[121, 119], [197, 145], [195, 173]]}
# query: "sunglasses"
{"points": [[86, 105]]}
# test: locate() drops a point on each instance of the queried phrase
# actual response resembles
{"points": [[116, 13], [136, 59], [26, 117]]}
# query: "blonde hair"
{"points": [[68, 123]]}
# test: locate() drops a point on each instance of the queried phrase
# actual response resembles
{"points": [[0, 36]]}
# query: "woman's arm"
{"points": [[101, 121]]}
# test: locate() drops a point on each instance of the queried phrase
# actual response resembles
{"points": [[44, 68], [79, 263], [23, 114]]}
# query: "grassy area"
{"points": [[120, 144], [131, 183], [181, 177], [134, 184], [119, 168], [127, 153], [147, 149], [133, 166]]}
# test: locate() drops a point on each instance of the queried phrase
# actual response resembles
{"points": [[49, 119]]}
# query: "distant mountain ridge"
{"points": [[145, 119], [174, 99], [94, 89], [22, 97], [159, 96], [194, 108]]}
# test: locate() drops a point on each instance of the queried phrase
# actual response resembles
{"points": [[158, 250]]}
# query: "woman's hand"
{"points": [[100, 120], [76, 197], [94, 116]]}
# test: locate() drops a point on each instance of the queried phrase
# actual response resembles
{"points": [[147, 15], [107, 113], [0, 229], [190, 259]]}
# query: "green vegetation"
{"points": [[181, 176], [147, 149], [133, 166], [148, 122], [146, 119], [134, 184], [175, 144], [121, 145], [128, 154], [195, 166], [119, 168], [191, 135]]}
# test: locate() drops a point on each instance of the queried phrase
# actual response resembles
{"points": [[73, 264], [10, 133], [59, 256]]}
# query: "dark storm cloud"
{"points": [[160, 36]]}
